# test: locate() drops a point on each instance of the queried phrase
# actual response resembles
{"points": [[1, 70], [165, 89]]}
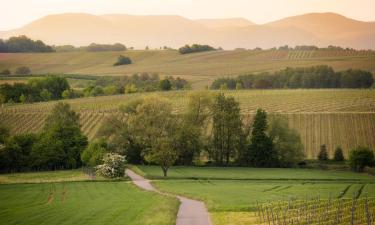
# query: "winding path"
{"points": [[191, 212]]}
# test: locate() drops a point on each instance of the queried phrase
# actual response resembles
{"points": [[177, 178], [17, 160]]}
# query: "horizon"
{"points": [[256, 12]]}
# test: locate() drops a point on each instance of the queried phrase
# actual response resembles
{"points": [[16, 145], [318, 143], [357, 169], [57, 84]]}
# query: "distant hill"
{"points": [[319, 29]]}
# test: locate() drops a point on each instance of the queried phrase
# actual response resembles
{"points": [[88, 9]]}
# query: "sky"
{"points": [[16, 13]]}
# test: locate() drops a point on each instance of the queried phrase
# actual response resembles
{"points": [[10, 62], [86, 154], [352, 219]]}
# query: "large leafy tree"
{"points": [[226, 130], [261, 151], [61, 141]]}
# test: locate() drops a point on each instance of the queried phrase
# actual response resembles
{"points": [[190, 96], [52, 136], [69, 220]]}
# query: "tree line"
{"points": [[35, 90], [147, 131], [195, 48], [304, 77], [23, 44]]}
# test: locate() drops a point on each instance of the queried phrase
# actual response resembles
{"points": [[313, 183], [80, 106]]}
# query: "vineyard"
{"points": [[316, 211], [199, 68], [330, 117]]}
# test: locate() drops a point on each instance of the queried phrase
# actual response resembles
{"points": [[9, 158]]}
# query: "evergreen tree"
{"points": [[339, 155], [260, 151], [323, 154]]}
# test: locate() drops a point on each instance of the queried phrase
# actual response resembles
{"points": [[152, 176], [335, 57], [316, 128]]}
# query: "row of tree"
{"points": [[195, 48], [23, 44], [305, 77], [35, 90], [58, 146]]}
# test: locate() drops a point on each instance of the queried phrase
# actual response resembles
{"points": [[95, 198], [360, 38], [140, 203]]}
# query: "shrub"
{"points": [[361, 157], [165, 85], [113, 166], [93, 155], [323, 154], [195, 48], [5, 72], [339, 155], [122, 60], [23, 70]]}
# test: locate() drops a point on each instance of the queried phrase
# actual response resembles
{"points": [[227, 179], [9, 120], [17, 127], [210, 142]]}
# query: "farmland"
{"points": [[331, 117], [199, 68], [232, 194], [67, 202]]}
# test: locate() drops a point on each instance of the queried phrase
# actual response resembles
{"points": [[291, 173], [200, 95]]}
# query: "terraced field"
{"points": [[331, 117], [200, 68]]}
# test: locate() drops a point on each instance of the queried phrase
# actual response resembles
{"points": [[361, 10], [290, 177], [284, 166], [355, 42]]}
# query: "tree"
{"points": [[122, 60], [339, 155], [61, 141], [286, 141], [226, 130], [155, 126], [23, 98], [323, 154], [361, 157], [45, 95], [4, 133], [261, 151], [93, 155], [165, 85], [5, 72], [23, 70], [113, 166]]}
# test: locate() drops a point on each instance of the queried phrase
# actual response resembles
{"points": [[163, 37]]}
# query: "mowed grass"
{"points": [[231, 194], [84, 203], [244, 173], [199, 68], [45, 177]]}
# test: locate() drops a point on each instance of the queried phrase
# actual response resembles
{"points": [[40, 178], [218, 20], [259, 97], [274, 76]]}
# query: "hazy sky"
{"points": [[15, 13]]}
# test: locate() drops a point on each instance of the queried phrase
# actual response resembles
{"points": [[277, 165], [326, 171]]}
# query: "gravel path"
{"points": [[191, 212]]}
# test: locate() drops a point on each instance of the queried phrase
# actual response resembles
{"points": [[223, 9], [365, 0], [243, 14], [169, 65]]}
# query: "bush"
{"points": [[165, 85], [339, 155], [5, 72], [323, 154], [122, 60], [195, 48], [361, 157], [93, 155], [23, 70], [113, 166]]}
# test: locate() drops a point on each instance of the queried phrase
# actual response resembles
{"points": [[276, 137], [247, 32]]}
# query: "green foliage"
{"points": [[195, 48], [23, 44], [22, 70], [123, 60], [339, 155], [93, 155], [5, 72], [4, 133], [261, 152], [323, 154], [105, 47], [226, 129], [286, 142], [61, 141], [308, 77], [361, 157], [111, 90], [15, 156], [165, 85], [113, 166]]}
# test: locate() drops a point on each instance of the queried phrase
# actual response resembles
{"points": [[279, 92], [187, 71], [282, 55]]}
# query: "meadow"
{"points": [[233, 195], [45, 201], [199, 68], [332, 117]]}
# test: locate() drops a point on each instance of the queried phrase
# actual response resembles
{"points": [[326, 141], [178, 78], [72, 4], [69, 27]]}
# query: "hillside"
{"points": [[174, 31], [199, 68], [331, 117]]}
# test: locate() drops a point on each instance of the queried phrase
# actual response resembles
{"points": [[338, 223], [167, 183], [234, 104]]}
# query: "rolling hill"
{"points": [[320, 29]]}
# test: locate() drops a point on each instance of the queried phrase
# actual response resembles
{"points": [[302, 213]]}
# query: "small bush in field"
{"points": [[323, 154], [123, 60], [339, 155], [361, 157]]}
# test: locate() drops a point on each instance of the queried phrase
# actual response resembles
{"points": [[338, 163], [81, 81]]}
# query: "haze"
{"points": [[16, 13]]}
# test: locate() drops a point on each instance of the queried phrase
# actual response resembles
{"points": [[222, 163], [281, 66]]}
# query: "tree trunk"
{"points": [[165, 171]]}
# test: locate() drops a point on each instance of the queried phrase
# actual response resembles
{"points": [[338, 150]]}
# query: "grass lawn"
{"points": [[45, 177], [243, 173], [231, 194], [83, 203]]}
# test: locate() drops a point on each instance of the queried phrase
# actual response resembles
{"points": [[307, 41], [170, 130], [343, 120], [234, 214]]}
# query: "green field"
{"points": [[332, 117], [232, 194], [199, 68], [81, 202]]}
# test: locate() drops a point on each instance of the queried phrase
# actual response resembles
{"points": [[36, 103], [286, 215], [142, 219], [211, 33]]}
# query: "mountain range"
{"points": [[320, 29]]}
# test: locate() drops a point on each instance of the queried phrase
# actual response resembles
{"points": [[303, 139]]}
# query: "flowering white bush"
{"points": [[113, 166]]}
